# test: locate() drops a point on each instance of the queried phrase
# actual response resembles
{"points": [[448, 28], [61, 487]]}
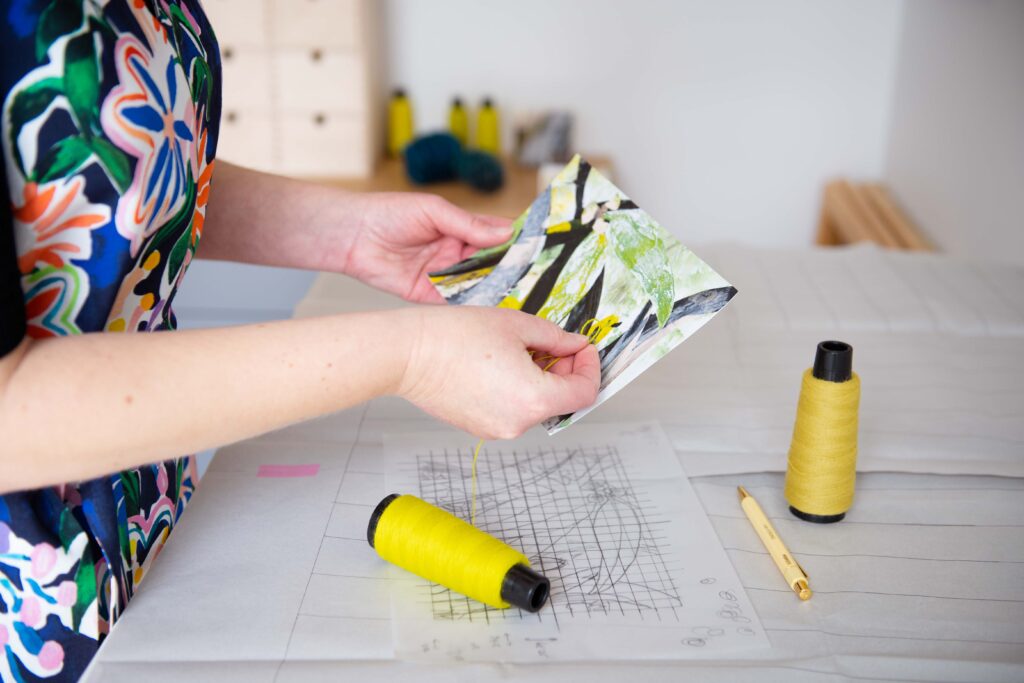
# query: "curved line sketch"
{"points": [[576, 515]]}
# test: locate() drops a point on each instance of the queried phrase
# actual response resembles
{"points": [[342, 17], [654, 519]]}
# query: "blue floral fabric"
{"points": [[109, 130]]}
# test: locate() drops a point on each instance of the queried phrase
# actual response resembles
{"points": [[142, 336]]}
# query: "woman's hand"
{"points": [[473, 367], [399, 237], [389, 240]]}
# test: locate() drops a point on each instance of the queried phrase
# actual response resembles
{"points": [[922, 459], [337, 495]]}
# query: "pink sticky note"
{"points": [[285, 471]]}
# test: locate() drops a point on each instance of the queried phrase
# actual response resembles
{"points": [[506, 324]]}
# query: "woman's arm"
{"points": [[390, 240], [73, 408], [272, 220]]}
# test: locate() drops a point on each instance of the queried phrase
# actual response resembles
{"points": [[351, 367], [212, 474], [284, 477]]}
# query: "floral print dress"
{"points": [[109, 127]]}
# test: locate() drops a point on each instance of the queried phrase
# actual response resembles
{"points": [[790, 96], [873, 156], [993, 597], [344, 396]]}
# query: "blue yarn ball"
{"points": [[481, 171], [432, 158]]}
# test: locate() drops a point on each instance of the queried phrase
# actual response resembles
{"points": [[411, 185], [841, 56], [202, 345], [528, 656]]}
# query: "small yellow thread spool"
{"points": [[444, 549], [822, 467], [400, 123]]}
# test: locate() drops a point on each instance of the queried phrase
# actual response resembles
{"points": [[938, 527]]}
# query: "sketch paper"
{"points": [[587, 258], [636, 569]]}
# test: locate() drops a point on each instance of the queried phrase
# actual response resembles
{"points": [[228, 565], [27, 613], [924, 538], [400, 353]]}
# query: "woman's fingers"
{"points": [[473, 229], [577, 389], [547, 338], [470, 366]]}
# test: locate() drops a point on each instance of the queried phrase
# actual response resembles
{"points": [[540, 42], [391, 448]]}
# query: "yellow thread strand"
{"points": [[444, 549], [480, 443], [476, 454], [822, 467], [552, 364]]}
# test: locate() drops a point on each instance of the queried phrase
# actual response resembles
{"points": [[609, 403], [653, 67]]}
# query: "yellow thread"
{"points": [[476, 454], [444, 549], [552, 363], [823, 456], [480, 443]]}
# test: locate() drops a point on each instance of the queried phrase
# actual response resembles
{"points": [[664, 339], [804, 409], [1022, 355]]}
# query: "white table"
{"points": [[924, 580]]}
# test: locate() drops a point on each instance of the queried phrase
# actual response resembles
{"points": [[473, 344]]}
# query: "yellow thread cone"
{"points": [[822, 467], [444, 549]]}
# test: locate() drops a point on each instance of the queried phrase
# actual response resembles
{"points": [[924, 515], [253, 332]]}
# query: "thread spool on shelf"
{"points": [[400, 122], [440, 547], [822, 469]]}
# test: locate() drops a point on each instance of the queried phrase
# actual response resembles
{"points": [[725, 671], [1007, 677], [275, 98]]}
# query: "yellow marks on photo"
{"points": [[596, 330]]}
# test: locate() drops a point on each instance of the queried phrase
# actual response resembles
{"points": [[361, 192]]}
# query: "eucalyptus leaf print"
{"points": [[639, 245], [601, 267]]}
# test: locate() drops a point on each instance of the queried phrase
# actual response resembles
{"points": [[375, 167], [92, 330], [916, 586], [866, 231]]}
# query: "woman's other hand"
{"points": [[400, 237], [473, 367]]}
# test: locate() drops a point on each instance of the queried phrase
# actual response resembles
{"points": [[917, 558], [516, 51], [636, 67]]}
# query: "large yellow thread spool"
{"points": [[822, 471], [440, 547]]}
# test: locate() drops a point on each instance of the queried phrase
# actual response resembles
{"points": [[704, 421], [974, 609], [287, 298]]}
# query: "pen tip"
{"points": [[742, 491]]}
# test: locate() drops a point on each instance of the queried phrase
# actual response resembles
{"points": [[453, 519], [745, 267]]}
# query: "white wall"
{"points": [[724, 119], [956, 150]]}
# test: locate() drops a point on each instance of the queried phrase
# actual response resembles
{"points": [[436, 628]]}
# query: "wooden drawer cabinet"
{"points": [[238, 22], [248, 79], [327, 23], [298, 88], [323, 144], [247, 138], [315, 79]]}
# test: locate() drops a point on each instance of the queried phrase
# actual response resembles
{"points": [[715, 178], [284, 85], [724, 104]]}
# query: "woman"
{"points": [[110, 123]]}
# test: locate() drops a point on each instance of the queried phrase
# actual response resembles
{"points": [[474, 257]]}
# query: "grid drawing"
{"points": [[576, 515]]}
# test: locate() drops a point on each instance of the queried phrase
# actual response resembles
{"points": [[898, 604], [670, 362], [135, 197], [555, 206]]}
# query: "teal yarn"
{"points": [[432, 158], [481, 171], [439, 157]]}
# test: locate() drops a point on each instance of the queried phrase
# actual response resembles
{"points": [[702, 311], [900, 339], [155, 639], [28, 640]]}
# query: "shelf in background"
{"points": [[514, 197]]}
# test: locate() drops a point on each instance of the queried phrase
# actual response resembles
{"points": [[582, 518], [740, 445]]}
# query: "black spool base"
{"points": [[525, 588], [371, 529], [817, 519]]}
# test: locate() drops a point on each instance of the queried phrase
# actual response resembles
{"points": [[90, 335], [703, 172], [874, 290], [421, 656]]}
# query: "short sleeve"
{"points": [[12, 300]]}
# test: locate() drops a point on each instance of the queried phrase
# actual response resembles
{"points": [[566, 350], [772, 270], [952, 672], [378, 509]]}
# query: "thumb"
{"points": [[542, 335], [475, 229], [569, 393]]}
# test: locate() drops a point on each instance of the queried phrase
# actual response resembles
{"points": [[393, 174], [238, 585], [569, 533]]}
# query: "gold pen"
{"points": [[791, 570]]}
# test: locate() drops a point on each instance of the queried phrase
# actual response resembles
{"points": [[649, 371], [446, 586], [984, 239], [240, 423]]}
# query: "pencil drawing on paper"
{"points": [[587, 258], [575, 513]]}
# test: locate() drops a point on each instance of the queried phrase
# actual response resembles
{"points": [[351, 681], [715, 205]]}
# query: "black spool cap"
{"points": [[398, 93], [371, 529], [833, 362], [525, 588], [456, 101], [488, 102]]}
